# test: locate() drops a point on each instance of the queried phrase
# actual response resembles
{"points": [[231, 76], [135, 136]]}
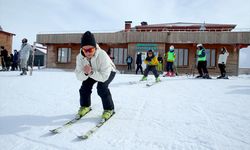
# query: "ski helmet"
{"points": [[199, 45]]}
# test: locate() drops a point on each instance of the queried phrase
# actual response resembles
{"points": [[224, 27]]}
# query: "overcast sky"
{"points": [[26, 18]]}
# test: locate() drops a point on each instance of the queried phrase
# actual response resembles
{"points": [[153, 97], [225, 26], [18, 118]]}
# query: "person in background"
{"points": [[222, 63], [15, 60], [159, 66], [151, 62], [109, 52], [4, 58], [24, 55], [202, 62], [93, 65], [129, 62], [138, 63], [170, 57], [10, 62]]}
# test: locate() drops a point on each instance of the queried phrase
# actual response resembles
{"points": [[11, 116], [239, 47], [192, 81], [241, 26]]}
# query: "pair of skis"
{"points": [[82, 136], [148, 84]]}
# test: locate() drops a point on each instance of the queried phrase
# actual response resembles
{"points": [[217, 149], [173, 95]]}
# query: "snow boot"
{"points": [[157, 79], [171, 74], [219, 77], [199, 76], [23, 72], [107, 114], [206, 76], [143, 78], [225, 76], [83, 111]]}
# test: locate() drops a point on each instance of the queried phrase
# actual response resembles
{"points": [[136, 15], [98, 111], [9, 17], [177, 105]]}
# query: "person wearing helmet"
{"points": [[24, 55], [222, 63], [170, 57], [202, 62], [151, 62]]}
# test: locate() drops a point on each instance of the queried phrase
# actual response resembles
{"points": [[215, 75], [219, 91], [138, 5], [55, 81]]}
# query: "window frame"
{"points": [[60, 57], [211, 57], [185, 57], [120, 55]]}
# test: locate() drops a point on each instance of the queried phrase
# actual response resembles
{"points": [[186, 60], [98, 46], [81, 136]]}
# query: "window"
{"points": [[211, 56], [119, 55], [181, 59], [64, 55]]}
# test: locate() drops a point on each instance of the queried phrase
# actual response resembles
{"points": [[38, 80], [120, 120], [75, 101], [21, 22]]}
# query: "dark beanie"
{"points": [[88, 39]]}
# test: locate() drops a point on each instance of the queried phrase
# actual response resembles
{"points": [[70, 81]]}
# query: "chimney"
{"points": [[144, 23], [127, 25]]}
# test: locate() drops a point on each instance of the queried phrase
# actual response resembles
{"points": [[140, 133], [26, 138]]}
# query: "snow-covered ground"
{"points": [[179, 113]]}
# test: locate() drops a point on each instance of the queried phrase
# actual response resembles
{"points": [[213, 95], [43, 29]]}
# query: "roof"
{"points": [[41, 48], [1, 31], [187, 26], [151, 37]]}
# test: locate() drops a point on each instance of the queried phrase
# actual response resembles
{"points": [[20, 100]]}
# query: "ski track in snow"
{"points": [[180, 113]]}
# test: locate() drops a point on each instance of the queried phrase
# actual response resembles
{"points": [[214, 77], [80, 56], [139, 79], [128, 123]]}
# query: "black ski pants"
{"points": [[102, 90], [170, 66], [222, 69], [129, 66], [202, 67], [151, 68], [139, 67]]}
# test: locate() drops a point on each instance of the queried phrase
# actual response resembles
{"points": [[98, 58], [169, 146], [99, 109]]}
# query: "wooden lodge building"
{"points": [[6, 39], [63, 48]]}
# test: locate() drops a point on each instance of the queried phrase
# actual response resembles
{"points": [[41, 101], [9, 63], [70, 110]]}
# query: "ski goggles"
{"points": [[89, 50]]}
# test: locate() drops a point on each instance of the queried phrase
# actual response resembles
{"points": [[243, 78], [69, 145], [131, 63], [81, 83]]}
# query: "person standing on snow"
{"points": [[129, 62], [202, 62], [151, 62], [4, 58], [15, 60], [160, 62], [170, 60], [94, 65], [222, 63], [24, 55], [138, 63]]}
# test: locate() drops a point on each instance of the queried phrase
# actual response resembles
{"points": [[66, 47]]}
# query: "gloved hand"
{"points": [[148, 59], [150, 63]]}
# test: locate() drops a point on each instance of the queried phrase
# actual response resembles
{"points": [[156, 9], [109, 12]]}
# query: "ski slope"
{"points": [[180, 113]]}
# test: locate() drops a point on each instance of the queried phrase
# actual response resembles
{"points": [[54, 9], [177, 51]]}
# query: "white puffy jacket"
{"points": [[223, 58], [101, 65]]}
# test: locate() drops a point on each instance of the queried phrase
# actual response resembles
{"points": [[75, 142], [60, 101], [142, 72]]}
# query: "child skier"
{"points": [[94, 65], [222, 63], [151, 62], [170, 60]]}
